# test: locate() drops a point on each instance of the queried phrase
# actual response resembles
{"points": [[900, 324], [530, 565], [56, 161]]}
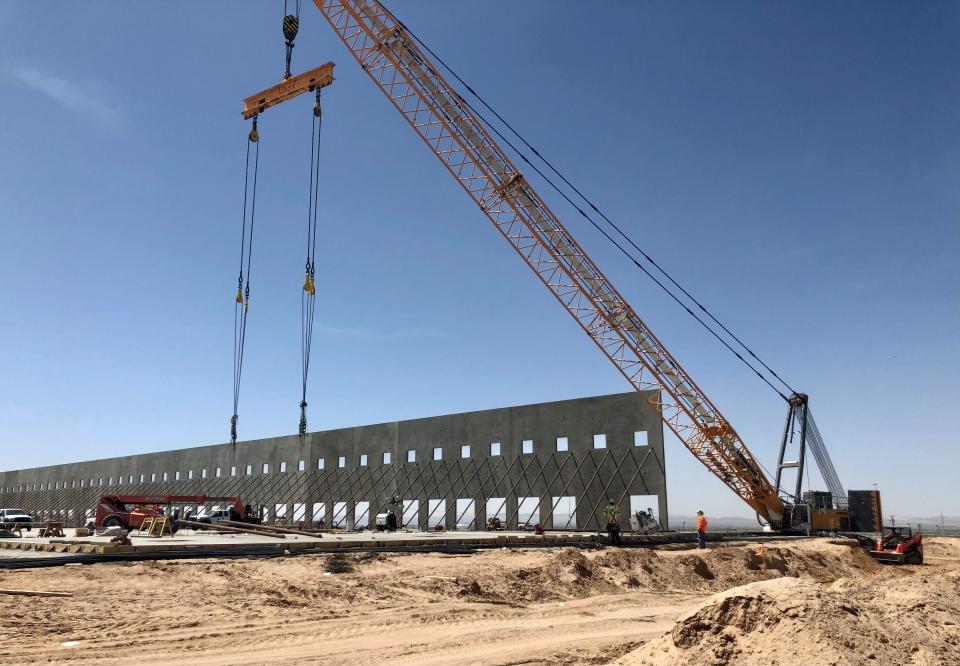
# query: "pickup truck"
{"points": [[10, 516], [211, 517]]}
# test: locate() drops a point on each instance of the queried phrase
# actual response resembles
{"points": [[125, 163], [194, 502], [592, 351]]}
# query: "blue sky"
{"points": [[795, 166]]}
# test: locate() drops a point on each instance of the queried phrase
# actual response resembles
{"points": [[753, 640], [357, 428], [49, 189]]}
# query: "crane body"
{"points": [[462, 144], [448, 125]]}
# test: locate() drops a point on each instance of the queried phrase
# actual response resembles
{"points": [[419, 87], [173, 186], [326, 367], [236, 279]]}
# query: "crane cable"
{"points": [[309, 293], [596, 225], [242, 300]]}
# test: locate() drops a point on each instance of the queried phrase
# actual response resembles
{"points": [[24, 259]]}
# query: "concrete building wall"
{"points": [[589, 474]]}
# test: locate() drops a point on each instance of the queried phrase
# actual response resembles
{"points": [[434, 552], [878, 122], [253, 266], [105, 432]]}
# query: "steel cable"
{"points": [[612, 224]]}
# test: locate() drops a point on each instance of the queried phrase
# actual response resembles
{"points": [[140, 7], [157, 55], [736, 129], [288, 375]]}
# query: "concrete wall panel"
{"points": [[587, 474]]}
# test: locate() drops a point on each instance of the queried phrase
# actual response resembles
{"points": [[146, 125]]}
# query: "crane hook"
{"points": [[291, 26], [303, 418]]}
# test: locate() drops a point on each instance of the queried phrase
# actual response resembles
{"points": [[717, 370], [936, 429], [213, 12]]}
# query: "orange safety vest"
{"points": [[701, 524]]}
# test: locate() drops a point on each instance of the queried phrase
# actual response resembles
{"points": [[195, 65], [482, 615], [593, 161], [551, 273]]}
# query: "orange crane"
{"points": [[412, 83]]}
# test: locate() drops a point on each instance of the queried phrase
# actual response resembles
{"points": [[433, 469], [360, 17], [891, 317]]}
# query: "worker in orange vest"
{"points": [[701, 530]]}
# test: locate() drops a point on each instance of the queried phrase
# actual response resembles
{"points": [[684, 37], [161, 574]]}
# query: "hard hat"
{"points": [[699, 513]]}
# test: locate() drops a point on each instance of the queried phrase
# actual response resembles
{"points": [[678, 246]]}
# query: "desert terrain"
{"points": [[800, 602]]}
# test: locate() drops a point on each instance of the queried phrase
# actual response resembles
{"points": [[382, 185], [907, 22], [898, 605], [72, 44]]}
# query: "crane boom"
{"points": [[447, 125]]}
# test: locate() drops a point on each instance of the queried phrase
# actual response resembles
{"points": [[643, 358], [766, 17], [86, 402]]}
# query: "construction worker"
{"points": [[612, 513], [701, 530]]}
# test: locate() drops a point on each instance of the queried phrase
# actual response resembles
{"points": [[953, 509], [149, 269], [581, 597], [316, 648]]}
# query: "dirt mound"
{"points": [[941, 547], [574, 574], [796, 620]]}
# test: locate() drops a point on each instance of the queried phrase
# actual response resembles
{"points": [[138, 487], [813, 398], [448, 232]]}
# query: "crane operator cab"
{"points": [[800, 517], [796, 518]]}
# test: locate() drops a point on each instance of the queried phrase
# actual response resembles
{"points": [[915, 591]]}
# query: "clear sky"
{"points": [[796, 166]]}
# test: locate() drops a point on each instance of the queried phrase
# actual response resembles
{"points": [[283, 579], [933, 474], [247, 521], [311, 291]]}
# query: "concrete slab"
{"points": [[189, 541]]}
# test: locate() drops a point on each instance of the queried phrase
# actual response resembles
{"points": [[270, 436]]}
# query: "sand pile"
{"points": [[888, 619], [432, 609], [575, 574], [941, 547]]}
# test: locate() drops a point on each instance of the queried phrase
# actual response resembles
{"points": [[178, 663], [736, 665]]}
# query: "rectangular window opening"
{"points": [[563, 444], [528, 446], [643, 509], [599, 441], [361, 515], [339, 517], [640, 438], [497, 508], [464, 450], [436, 513], [528, 512], [564, 512], [466, 518], [411, 513], [494, 448]]}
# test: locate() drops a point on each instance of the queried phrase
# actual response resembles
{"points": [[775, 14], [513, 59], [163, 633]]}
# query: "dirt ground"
{"points": [[810, 602]]}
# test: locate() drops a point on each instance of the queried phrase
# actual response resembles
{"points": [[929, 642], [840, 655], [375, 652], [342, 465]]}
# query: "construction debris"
{"points": [[36, 593], [220, 527], [272, 528]]}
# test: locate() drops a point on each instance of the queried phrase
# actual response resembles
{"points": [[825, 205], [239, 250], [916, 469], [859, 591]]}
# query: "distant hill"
{"points": [[928, 524]]}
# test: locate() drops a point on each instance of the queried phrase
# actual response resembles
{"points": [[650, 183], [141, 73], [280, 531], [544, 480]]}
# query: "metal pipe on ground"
{"points": [[226, 528], [36, 593], [272, 528]]}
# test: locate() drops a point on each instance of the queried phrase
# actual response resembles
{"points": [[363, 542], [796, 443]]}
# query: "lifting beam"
{"points": [[318, 77]]}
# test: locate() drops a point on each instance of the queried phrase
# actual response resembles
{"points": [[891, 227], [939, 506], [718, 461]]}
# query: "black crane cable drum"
{"points": [[309, 293], [242, 300], [597, 226]]}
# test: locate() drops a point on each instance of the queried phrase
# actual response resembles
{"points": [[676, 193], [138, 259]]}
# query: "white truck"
{"points": [[10, 516]]}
